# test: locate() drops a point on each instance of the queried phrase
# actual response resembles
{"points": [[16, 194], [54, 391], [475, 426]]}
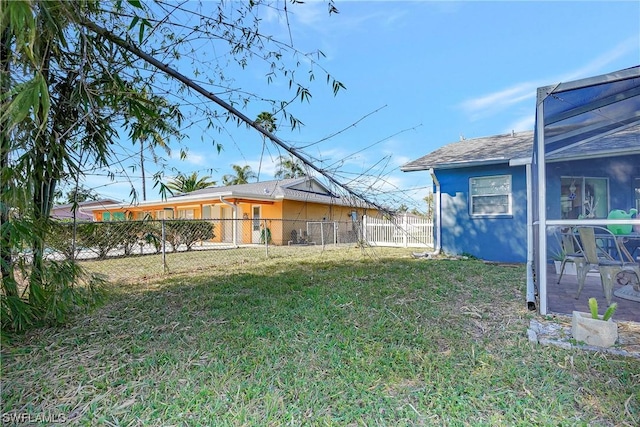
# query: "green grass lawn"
{"points": [[346, 337]]}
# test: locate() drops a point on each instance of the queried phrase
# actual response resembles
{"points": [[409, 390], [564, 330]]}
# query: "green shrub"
{"points": [[188, 232]]}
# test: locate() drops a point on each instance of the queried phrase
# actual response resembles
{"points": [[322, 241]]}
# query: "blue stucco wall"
{"points": [[501, 239]]}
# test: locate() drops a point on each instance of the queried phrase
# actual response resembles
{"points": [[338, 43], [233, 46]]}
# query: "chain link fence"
{"points": [[135, 250]]}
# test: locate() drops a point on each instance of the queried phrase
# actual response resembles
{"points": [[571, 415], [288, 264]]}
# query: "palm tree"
{"points": [[266, 121], [289, 168], [186, 184], [151, 134], [242, 176]]}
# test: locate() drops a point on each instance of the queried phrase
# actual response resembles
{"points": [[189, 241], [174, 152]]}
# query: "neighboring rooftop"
{"points": [[306, 189], [270, 189], [66, 211]]}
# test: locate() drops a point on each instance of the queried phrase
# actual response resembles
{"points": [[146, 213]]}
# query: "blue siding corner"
{"points": [[500, 239]]}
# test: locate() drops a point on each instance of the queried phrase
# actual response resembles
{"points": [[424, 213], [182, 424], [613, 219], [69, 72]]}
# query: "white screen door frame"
{"points": [[256, 215]]}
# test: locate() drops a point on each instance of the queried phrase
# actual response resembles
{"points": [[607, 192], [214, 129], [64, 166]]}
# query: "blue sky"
{"points": [[418, 75]]}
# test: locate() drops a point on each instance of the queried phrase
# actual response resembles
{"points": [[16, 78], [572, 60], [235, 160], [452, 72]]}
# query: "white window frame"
{"points": [[473, 198], [186, 213], [166, 213]]}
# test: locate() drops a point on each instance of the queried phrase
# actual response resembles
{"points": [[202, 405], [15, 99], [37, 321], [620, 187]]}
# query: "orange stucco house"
{"points": [[242, 211]]}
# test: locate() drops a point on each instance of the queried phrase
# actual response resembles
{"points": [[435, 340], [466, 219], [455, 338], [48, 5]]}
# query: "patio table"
{"points": [[634, 239], [618, 246], [629, 290]]}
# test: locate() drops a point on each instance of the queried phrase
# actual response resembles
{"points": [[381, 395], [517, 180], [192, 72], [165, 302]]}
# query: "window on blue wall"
{"points": [[584, 197], [490, 195]]}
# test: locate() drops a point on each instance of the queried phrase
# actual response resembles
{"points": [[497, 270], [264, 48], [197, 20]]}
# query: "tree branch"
{"points": [[191, 84]]}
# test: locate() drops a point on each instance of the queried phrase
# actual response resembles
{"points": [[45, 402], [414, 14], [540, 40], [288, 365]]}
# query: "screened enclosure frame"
{"points": [[577, 117]]}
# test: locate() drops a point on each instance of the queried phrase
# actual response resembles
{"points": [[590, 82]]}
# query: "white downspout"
{"points": [[531, 287], [234, 227], [437, 214]]}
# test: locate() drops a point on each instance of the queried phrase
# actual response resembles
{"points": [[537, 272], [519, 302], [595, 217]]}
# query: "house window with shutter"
{"points": [[490, 195]]}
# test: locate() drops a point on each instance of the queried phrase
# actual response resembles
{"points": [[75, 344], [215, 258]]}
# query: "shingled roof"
{"points": [[264, 188], [486, 150], [519, 145], [305, 189], [620, 143]]}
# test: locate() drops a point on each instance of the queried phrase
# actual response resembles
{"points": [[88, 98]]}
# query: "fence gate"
{"points": [[401, 231]]}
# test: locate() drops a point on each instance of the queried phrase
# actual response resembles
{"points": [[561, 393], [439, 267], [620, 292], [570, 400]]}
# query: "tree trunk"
{"points": [[44, 168]]}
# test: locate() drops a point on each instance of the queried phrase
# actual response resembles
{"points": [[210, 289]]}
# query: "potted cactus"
{"points": [[593, 329]]}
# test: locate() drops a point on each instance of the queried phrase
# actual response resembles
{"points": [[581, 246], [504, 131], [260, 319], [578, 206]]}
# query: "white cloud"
{"points": [[524, 123], [267, 169], [496, 102], [192, 158], [337, 157], [316, 14], [400, 160], [311, 20], [626, 47], [396, 189], [310, 13]]}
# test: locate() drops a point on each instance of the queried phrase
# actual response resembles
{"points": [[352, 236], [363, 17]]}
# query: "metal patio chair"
{"points": [[571, 253], [595, 257]]}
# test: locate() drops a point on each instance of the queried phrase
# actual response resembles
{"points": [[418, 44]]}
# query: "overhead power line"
{"points": [[193, 85]]}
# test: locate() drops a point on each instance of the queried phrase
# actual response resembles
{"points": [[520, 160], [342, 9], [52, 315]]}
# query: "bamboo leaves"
{"points": [[17, 19], [29, 99], [76, 87]]}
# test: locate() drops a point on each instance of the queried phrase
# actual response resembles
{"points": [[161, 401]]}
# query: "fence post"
{"points": [[405, 230], [364, 229], [235, 225], [164, 248], [74, 237], [266, 234]]}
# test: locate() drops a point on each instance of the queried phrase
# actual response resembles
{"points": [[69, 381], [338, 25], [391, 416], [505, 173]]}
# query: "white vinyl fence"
{"points": [[400, 231]]}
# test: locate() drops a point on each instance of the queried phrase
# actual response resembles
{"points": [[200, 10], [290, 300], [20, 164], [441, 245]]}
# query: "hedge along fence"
{"points": [[100, 240], [131, 251]]}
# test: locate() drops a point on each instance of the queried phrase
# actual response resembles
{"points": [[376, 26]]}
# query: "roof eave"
{"points": [[458, 165], [183, 199]]}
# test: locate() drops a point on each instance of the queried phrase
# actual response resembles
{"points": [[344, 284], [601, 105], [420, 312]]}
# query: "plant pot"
{"points": [[569, 268], [592, 331]]}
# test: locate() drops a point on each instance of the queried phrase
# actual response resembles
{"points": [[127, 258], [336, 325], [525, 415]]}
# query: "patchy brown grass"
{"points": [[334, 338]]}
